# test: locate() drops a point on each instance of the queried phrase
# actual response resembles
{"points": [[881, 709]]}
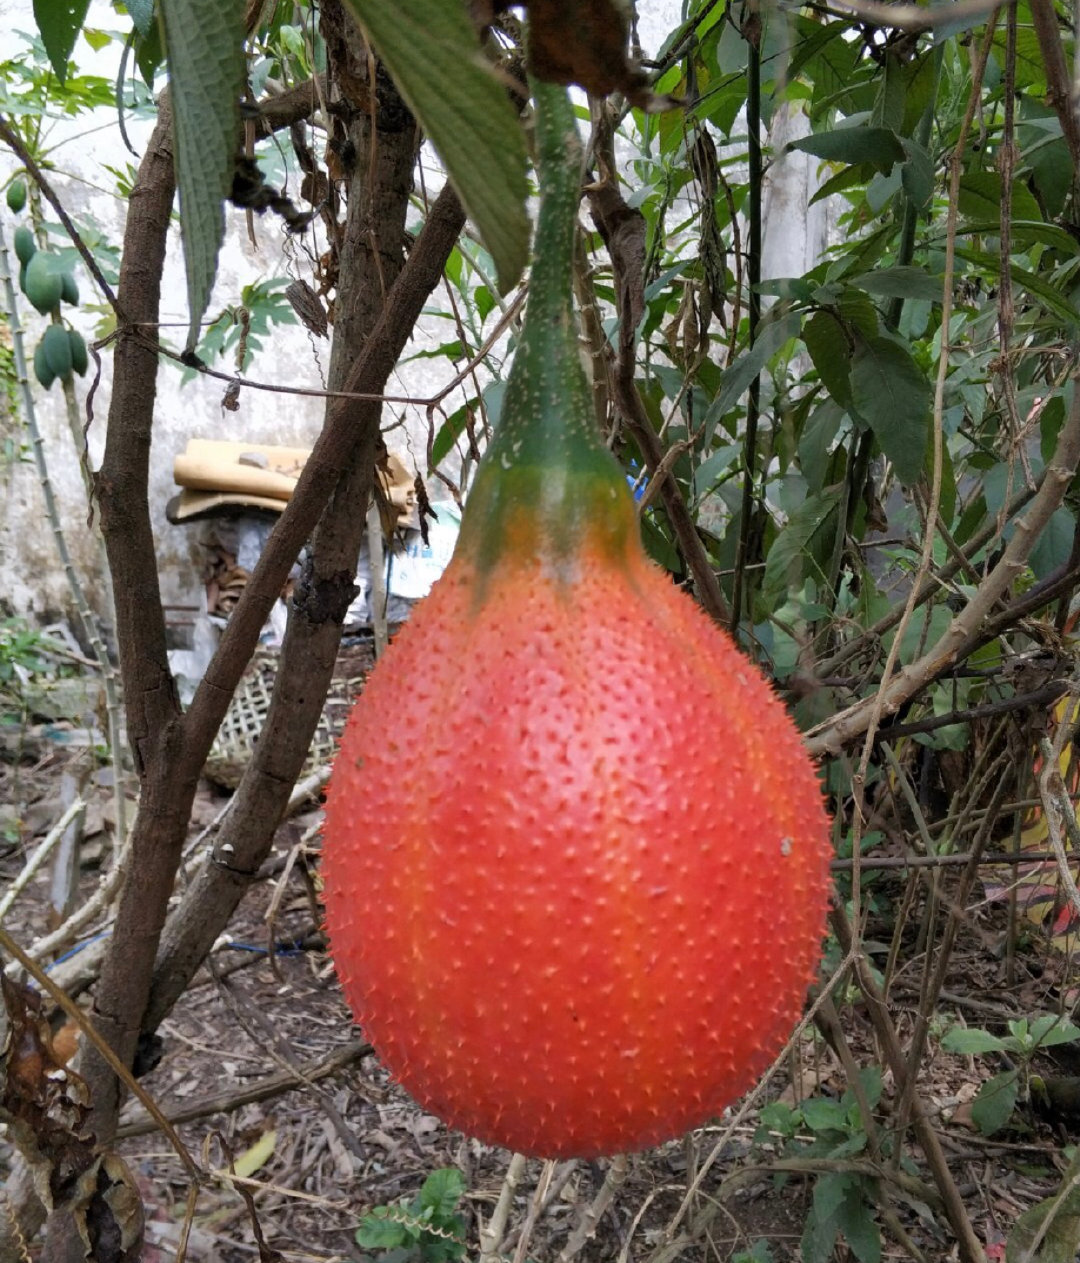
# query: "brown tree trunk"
{"points": [[377, 146]]}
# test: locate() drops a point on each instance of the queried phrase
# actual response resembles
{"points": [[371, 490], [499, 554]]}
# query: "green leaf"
{"points": [[818, 1113], [901, 282], [449, 432], [1035, 285], [857, 1223], [1050, 1029], [980, 197], [149, 53], [917, 174], [846, 178], [830, 351], [714, 466], [378, 1232], [850, 1147], [441, 1192], [829, 1194], [818, 1240], [772, 334], [204, 43], [59, 22], [858, 310], [819, 1236], [1025, 233], [141, 13], [790, 547], [815, 441], [891, 394], [484, 300], [879, 146], [1054, 546], [993, 1106], [970, 1041], [758, 1253], [430, 48]]}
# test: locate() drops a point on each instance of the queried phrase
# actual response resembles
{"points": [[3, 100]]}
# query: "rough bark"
{"points": [[168, 750], [154, 719], [382, 144], [217, 889]]}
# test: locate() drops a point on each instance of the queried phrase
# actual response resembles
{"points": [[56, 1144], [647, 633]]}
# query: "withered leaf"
{"points": [[582, 42]]}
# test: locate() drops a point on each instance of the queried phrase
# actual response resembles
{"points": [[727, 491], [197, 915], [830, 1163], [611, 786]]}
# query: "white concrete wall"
{"points": [[30, 577]]}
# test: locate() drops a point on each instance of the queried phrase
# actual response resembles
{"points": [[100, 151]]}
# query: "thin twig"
{"points": [[491, 1235], [592, 1213], [141, 1123], [40, 856], [913, 17], [11, 138], [1057, 807], [87, 1028]]}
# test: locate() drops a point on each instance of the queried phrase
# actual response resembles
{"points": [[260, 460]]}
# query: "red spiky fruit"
{"points": [[575, 857]]}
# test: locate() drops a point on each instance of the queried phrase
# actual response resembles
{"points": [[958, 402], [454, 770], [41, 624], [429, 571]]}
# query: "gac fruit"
{"points": [[575, 856]]}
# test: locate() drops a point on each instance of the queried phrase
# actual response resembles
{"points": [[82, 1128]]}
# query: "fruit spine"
{"points": [[575, 858]]}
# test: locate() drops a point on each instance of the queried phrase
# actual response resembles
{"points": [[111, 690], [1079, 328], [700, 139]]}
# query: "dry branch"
{"points": [[140, 1123], [216, 889], [964, 631]]}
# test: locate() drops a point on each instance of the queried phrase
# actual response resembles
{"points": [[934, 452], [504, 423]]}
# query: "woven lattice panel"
{"points": [[246, 717]]}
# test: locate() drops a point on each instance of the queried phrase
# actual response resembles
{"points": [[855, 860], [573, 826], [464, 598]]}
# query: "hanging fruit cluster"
{"points": [[46, 283], [576, 859]]}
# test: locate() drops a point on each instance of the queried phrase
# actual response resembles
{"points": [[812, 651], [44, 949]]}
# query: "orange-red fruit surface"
{"points": [[576, 859]]}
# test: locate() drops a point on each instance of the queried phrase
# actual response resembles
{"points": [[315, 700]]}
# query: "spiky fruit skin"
{"points": [[575, 857]]}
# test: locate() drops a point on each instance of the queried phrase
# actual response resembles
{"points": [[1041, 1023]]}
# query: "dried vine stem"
{"points": [[913, 17], [593, 1212], [971, 1250], [623, 230], [492, 1233], [858, 780], [139, 1123], [95, 1038], [964, 630], [1057, 805], [662, 1251], [1059, 88], [551, 1183]]}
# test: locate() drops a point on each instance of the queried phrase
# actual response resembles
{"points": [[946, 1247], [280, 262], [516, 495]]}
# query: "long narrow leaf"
{"points": [[204, 46], [430, 48]]}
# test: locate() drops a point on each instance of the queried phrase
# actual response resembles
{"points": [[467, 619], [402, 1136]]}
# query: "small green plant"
{"points": [[427, 1230], [996, 1099], [843, 1201], [759, 1252], [242, 329], [20, 650]]}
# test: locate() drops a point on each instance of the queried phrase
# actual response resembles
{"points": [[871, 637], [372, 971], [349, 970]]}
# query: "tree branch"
{"points": [[1058, 82], [218, 887], [966, 627], [623, 230]]}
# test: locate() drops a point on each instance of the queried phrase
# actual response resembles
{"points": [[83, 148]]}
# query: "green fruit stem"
{"points": [[546, 480]]}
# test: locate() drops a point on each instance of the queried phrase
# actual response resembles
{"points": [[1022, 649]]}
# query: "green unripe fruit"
{"points": [[42, 371], [16, 196], [80, 360], [57, 347], [43, 286], [69, 291], [25, 245]]}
